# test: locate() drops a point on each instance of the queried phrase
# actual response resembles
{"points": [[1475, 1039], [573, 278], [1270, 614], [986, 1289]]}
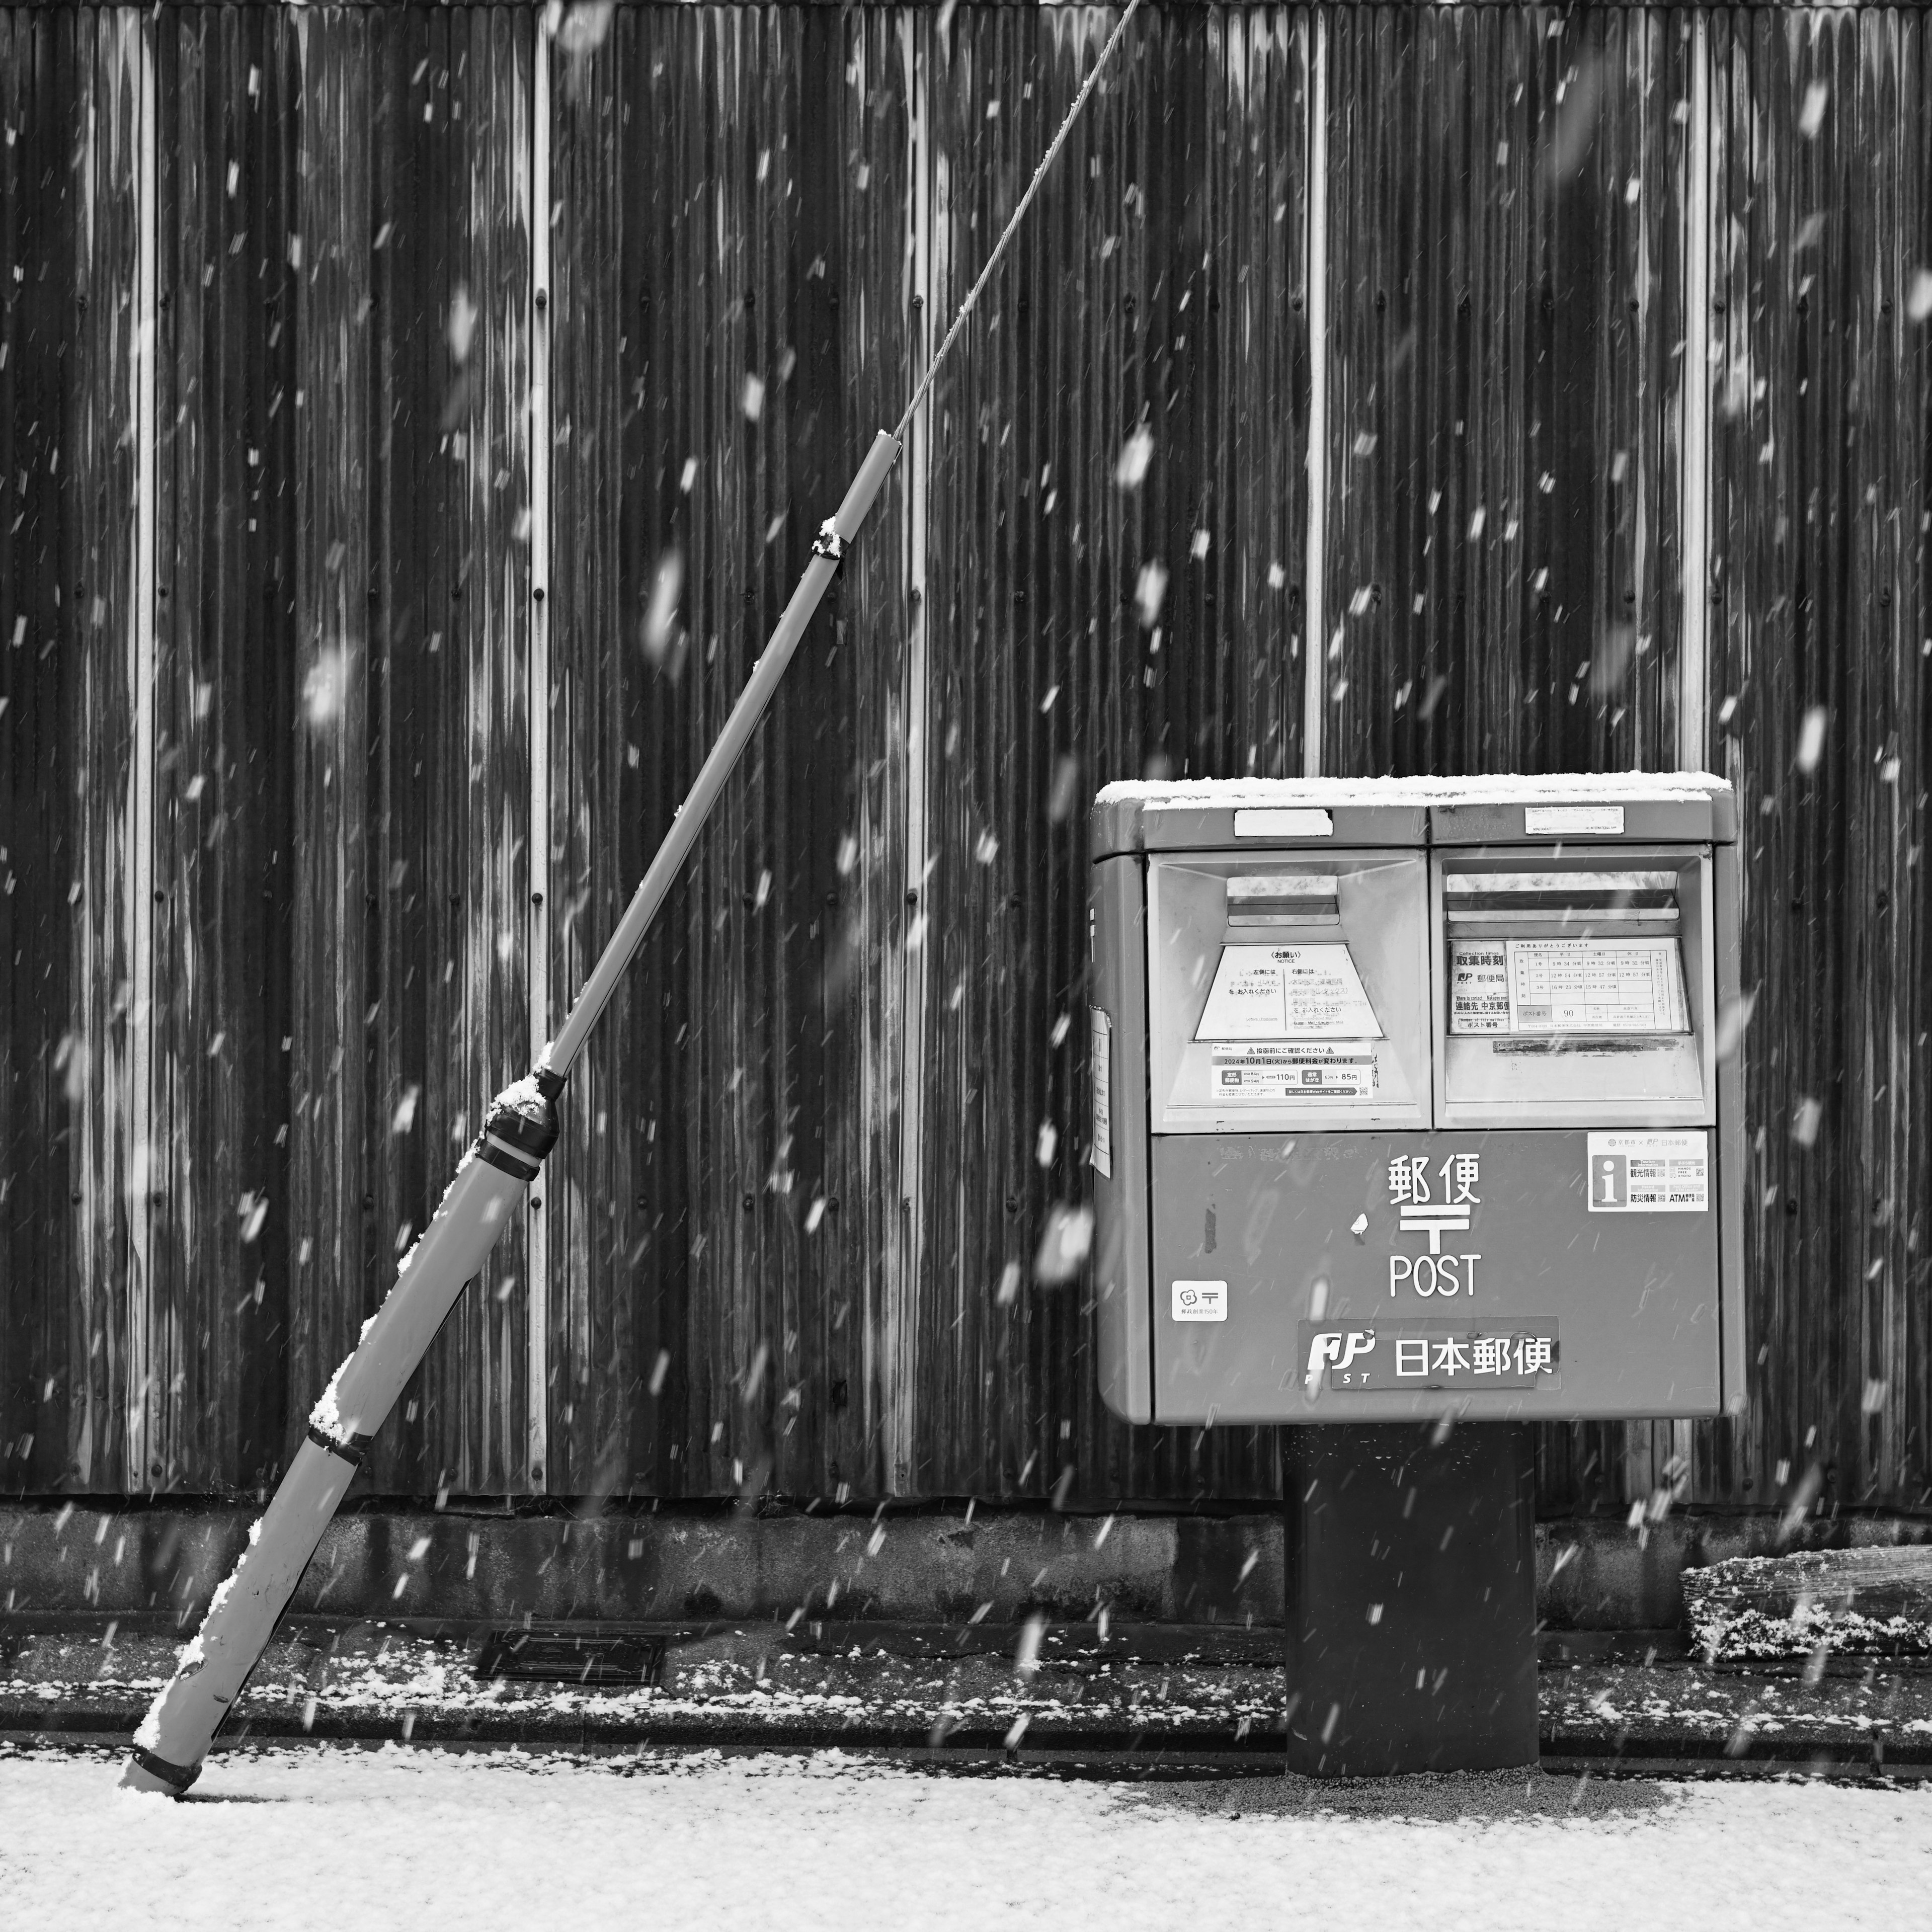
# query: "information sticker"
{"points": [[1100, 1056], [1479, 986], [1264, 1076], [1649, 1173], [1566, 985], [1200, 1301], [1293, 821], [1287, 992], [1599, 820]]}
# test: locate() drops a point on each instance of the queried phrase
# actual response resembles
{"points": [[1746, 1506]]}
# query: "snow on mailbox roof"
{"points": [[1196, 794]]}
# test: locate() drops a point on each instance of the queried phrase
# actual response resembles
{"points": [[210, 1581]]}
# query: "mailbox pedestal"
{"points": [[1411, 1599]]}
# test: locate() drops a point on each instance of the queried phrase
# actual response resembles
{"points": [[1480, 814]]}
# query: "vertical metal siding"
{"points": [[337, 594], [1506, 208], [731, 186], [1156, 290], [69, 81], [225, 412], [447, 886], [1822, 488]]}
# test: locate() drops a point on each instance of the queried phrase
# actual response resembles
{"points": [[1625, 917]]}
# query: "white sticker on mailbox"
{"points": [[1546, 819], [1294, 821], [1103, 1155], [1649, 1174], [1267, 1075], [1287, 992], [1200, 1301]]}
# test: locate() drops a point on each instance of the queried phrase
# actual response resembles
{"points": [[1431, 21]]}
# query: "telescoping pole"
{"points": [[519, 1130]]}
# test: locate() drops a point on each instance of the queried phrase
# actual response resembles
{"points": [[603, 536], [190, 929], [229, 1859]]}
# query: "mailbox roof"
{"points": [[1195, 813]]}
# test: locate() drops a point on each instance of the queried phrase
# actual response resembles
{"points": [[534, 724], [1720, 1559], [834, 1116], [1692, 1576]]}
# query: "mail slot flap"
{"points": [[1278, 898], [1602, 898]]}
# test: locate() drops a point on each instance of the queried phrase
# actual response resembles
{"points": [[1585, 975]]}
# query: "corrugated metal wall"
{"points": [[327, 755]]}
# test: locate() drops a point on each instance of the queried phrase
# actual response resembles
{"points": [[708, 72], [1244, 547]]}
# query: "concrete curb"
{"points": [[82, 1559]]}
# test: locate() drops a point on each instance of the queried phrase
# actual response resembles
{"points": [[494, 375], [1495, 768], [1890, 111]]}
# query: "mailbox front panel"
{"points": [[1497, 1274], [1290, 989], [1573, 988]]}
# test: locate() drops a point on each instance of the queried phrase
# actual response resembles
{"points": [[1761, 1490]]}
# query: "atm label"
{"points": [[1649, 1174]]}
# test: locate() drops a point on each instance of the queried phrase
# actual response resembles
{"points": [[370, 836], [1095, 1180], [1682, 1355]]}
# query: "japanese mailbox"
{"points": [[1433, 1115], [1414, 1100]]}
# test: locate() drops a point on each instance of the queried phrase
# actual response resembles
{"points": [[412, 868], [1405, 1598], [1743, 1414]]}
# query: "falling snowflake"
{"points": [[661, 611], [462, 323], [1811, 738], [1149, 589], [1064, 1246]]}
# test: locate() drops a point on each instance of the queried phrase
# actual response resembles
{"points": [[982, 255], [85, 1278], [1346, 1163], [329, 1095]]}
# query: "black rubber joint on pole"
{"points": [[829, 543], [514, 1139], [353, 1450], [534, 1139], [176, 1776]]}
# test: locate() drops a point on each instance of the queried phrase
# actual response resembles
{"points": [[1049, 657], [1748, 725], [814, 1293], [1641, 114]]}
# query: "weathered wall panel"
{"points": [[336, 589], [447, 887], [74, 1182], [731, 185], [1113, 520], [226, 415], [1505, 302], [1822, 485]]}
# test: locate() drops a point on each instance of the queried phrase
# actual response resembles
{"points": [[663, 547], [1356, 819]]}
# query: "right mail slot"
{"points": [[1574, 988]]}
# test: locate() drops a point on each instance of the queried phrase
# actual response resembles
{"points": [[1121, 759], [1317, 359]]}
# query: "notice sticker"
{"points": [[1566, 985], [1479, 986], [1596, 985], [1100, 1059], [1649, 1174], [1600, 821], [1267, 1075], [1200, 1301], [1287, 992]]}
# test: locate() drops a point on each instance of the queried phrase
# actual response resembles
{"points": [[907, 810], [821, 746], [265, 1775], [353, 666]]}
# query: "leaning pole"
{"points": [[519, 1130]]}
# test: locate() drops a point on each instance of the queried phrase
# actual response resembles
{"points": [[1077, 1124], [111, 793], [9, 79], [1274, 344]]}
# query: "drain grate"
{"points": [[555, 1656]]}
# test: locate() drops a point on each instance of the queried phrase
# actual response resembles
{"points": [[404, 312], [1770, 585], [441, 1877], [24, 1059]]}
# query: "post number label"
{"points": [[1200, 1301], [1649, 1174]]}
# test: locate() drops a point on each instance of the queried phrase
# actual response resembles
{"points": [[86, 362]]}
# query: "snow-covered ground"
{"points": [[305, 1836]]}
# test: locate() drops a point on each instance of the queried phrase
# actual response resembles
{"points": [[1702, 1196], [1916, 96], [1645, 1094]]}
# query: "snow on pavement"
{"points": [[298, 1837]]}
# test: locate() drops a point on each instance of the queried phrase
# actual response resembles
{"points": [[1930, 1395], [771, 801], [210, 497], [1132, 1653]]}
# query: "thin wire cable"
{"points": [[1013, 220]]}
